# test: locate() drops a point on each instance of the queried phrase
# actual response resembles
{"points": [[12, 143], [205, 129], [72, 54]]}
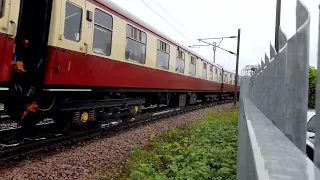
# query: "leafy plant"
{"points": [[204, 149], [312, 87]]}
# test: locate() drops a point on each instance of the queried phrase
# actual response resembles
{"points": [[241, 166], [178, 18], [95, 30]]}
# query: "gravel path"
{"points": [[87, 160]]}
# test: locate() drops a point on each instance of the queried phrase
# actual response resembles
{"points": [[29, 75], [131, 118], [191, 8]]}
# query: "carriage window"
{"points": [[72, 22], [180, 61], [136, 45], [211, 73], [2, 6], [163, 55], [192, 69], [102, 35], [204, 71], [216, 74], [180, 54]]}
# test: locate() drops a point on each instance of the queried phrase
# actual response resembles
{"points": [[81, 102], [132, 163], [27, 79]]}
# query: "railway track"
{"points": [[103, 130]]}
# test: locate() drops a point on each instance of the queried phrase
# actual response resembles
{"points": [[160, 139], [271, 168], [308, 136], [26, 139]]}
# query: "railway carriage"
{"points": [[81, 59]]}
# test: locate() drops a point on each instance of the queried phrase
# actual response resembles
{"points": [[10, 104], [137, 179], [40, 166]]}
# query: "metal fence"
{"points": [[273, 111]]}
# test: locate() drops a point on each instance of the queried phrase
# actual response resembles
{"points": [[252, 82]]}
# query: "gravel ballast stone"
{"points": [[106, 155]]}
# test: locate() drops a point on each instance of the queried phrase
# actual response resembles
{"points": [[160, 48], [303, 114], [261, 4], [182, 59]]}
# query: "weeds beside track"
{"points": [[204, 149]]}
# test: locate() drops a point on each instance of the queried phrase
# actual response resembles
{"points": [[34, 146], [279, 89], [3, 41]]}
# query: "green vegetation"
{"points": [[204, 149], [312, 87]]}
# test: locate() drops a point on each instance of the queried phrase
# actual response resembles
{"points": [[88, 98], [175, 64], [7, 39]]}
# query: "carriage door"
{"points": [[9, 12], [72, 37], [32, 37], [73, 31]]}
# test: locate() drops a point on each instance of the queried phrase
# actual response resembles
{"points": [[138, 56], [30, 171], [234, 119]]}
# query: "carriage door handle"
{"points": [[14, 29], [86, 48]]}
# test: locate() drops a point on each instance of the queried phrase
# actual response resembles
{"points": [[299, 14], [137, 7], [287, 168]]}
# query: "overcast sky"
{"points": [[215, 18]]}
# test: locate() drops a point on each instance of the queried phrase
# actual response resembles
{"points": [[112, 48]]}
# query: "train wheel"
{"points": [[8, 128], [126, 118], [133, 112], [28, 126], [9, 137], [62, 121]]}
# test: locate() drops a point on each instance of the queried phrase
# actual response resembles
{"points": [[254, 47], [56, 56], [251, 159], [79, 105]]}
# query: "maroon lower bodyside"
{"points": [[6, 54], [65, 67]]}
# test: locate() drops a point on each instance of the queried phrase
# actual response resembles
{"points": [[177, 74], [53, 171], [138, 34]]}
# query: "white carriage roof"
{"points": [[113, 6]]}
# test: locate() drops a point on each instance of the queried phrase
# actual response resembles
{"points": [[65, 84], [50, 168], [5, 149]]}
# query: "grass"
{"points": [[204, 149]]}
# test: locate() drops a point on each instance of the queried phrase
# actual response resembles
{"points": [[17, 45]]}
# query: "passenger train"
{"points": [[81, 60]]}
